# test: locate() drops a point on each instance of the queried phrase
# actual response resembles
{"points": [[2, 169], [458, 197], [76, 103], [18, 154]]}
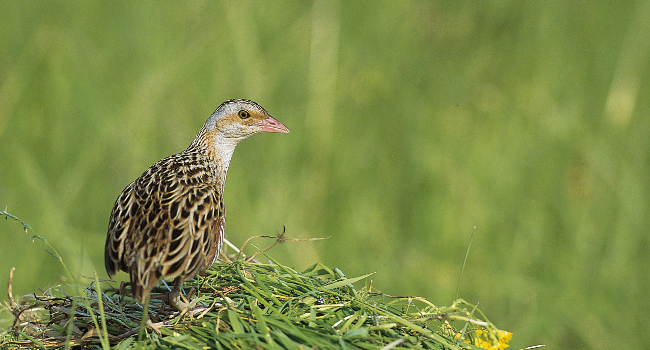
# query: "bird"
{"points": [[169, 223]]}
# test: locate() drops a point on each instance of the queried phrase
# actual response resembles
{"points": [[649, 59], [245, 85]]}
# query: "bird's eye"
{"points": [[244, 114]]}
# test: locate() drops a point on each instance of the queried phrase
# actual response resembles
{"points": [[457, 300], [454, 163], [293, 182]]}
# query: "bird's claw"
{"points": [[154, 326]]}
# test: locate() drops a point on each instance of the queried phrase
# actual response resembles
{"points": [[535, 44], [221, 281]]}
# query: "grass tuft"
{"points": [[241, 305], [244, 304]]}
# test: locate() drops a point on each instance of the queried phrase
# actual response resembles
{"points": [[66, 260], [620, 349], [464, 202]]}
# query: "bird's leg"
{"points": [[123, 288], [174, 296]]}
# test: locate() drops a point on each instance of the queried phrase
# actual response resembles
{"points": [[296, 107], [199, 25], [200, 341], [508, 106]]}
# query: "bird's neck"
{"points": [[216, 147]]}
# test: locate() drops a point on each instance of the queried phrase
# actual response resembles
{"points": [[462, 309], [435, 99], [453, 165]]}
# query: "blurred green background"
{"points": [[411, 123]]}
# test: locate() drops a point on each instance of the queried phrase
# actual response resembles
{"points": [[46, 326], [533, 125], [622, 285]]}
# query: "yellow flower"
{"points": [[504, 336], [492, 340]]}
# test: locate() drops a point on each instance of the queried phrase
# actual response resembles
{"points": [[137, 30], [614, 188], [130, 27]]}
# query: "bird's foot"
{"points": [[176, 302], [154, 326], [185, 307]]}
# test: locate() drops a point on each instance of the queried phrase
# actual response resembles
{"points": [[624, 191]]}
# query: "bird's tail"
{"points": [[142, 283]]}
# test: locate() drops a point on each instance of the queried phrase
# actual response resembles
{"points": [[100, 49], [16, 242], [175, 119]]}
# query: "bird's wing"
{"points": [[166, 224], [119, 225]]}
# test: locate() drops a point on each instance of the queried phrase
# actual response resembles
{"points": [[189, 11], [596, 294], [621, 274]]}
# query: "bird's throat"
{"points": [[225, 147]]}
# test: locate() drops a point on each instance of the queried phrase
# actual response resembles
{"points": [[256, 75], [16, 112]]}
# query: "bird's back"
{"points": [[169, 222]]}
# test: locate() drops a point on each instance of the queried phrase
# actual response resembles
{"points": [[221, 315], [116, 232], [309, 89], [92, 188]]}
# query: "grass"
{"points": [[243, 304], [249, 305]]}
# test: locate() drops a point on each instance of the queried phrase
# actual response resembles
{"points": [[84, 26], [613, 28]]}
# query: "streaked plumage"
{"points": [[169, 222]]}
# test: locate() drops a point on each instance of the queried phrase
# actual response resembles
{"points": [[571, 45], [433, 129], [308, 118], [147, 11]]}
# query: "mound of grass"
{"points": [[243, 304]]}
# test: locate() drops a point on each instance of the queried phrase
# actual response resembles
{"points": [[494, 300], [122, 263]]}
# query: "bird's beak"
{"points": [[271, 124]]}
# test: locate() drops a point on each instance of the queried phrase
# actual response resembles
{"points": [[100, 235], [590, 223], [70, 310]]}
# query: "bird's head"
{"points": [[236, 120]]}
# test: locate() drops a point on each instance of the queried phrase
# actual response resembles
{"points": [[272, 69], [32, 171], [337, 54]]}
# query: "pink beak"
{"points": [[271, 124]]}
